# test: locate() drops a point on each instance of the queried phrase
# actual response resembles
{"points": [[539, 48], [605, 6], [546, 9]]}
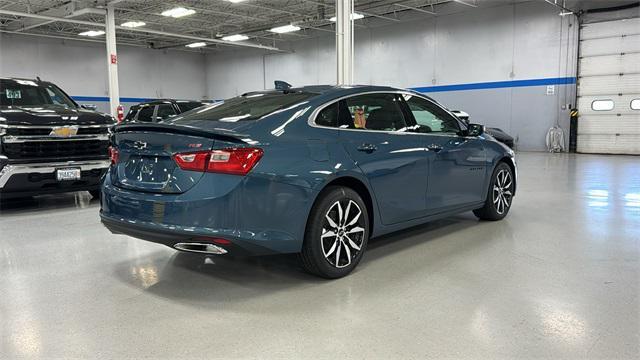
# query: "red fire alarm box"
{"points": [[114, 58]]}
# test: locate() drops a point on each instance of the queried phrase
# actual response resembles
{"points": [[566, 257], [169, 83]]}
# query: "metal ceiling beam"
{"points": [[415, 9], [148, 31]]}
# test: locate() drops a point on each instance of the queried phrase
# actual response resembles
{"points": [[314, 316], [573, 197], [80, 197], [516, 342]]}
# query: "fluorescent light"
{"points": [[285, 29], [565, 13], [92, 33], [196, 45], [235, 1], [236, 37], [178, 12], [133, 24], [354, 16]]}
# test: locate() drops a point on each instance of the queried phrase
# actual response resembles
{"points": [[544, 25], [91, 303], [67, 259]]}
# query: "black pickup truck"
{"points": [[49, 143]]}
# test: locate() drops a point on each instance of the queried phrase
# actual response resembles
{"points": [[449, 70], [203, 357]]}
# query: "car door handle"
{"points": [[368, 148], [434, 148]]}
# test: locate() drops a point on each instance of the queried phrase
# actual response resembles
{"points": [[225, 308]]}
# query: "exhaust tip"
{"points": [[200, 248]]}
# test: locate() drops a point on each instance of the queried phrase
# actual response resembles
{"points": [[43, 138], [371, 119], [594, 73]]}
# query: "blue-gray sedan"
{"points": [[314, 170]]}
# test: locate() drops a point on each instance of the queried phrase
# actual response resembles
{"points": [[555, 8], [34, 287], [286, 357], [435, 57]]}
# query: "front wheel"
{"points": [[500, 194], [337, 233]]}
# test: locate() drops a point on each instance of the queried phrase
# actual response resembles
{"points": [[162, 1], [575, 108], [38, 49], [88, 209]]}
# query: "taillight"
{"points": [[237, 161], [120, 112], [114, 154]]}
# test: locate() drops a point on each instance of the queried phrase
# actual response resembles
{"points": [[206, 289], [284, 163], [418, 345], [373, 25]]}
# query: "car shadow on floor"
{"points": [[43, 203], [207, 279]]}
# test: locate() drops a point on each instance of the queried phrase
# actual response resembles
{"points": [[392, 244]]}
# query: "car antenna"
{"points": [[38, 78], [282, 85]]}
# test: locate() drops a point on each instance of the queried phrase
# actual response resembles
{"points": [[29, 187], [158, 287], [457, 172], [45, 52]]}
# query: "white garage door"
{"points": [[609, 87]]}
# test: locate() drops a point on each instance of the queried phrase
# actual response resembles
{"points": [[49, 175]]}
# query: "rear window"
{"points": [[248, 107]]}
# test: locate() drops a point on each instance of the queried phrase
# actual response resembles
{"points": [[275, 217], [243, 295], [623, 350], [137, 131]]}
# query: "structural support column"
{"points": [[344, 41], [112, 61]]}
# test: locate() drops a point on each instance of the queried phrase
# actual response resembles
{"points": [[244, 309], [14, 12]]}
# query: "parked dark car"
{"points": [[313, 170], [158, 110], [497, 133], [49, 143]]}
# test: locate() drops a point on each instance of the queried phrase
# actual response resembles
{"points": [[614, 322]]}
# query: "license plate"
{"points": [[68, 174]]}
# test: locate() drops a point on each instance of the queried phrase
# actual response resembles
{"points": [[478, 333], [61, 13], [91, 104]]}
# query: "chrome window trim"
{"points": [[311, 121], [43, 138]]}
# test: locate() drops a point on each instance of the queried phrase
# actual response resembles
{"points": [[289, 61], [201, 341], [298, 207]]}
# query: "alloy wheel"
{"points": [[502, 193], [342, 233]]}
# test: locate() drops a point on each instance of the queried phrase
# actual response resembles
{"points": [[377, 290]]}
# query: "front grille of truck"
{"points": [[55, 149], [45, 131]]}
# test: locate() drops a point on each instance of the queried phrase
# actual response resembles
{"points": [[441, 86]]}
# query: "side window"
{"points": [[146, 113], [165, 111], [430, 117], [328, 116], [374, 112]]}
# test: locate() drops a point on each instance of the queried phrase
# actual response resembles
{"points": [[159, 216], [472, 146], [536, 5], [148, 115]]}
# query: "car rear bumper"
{"points": [[40, 178], [257, 216]]}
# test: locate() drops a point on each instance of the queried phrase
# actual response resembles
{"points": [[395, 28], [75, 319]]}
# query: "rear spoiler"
{"points": [[218, 134]]}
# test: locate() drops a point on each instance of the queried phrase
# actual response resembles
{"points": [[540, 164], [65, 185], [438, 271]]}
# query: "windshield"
{"points": [[30, 93], [247, 107]]}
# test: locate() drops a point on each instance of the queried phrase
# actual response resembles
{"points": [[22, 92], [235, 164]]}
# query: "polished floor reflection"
{"points": [[559, 278]]}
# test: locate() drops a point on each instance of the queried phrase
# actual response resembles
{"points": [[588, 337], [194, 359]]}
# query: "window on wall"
{"points": [[602, 105], [430, 117], [635, 104]]}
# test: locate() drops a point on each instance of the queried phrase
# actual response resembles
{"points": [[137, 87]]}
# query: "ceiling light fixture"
{"points": [[235, 1], [133, 24], [178, 12], [565, 13], [92, 33], [196, 45], [285, 29], [236, 37], [354, 16]]}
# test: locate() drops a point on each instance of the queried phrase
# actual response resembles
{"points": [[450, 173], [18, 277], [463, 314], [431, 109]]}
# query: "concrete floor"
{"points": [[558, 278]]}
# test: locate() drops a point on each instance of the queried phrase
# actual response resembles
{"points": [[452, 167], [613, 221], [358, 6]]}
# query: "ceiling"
{"points": [[212, 19]]}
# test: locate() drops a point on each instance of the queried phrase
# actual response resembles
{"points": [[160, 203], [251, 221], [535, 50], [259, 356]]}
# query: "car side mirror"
{"points": [[91, 107], [475, 130]]}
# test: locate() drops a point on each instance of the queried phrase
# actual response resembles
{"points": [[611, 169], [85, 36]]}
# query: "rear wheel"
{"points": [[337, 233], [500, 194]]}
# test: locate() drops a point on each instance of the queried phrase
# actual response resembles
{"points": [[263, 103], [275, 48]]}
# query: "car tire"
{"points": [[337, 233], [499, 194], [95, 194]]}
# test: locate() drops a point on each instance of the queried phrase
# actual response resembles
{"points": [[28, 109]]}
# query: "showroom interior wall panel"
{"points": [[494, 44], [80, 68]]}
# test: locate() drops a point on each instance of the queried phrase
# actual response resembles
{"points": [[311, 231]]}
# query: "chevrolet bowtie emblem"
{"points": [[140, 145], [64, 131]]}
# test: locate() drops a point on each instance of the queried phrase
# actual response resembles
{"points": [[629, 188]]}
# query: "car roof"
{"points": [[166, 101], [25, 79]]}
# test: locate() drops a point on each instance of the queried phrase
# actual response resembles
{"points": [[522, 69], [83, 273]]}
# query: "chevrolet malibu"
{"points": [[315, 170]]}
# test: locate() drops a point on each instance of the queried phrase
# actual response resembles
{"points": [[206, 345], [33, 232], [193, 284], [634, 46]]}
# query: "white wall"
{"points": [[510, 42], [80, 68]]}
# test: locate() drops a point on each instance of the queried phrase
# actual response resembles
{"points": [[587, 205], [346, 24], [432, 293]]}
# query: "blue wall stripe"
{"points": [[498, 84], [426, 89]]}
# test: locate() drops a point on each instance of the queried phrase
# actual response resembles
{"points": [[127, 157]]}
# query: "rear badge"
{"points": [[64, 131], [195, 145], [140, 145]]}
